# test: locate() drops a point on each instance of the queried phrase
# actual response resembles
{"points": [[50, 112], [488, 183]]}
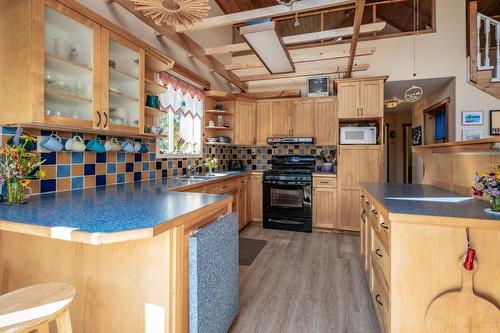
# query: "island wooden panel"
{"points": [[419, 262], [120, 287]]}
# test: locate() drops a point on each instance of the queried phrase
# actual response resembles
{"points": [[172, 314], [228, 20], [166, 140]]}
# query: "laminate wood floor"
{"points": [[304, 283]]}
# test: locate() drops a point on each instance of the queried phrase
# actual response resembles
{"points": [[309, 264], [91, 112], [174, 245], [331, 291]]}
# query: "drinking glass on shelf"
{"points": [[50, 80], [62, 48], [74, 53], [62, 86]]}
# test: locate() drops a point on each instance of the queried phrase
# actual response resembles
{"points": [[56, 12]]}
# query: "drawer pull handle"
{"points": [[374, 212], [377, 299], [383, 225], [367, 203], [224, 187], [377, 252], [323, 182], [362, 196]]}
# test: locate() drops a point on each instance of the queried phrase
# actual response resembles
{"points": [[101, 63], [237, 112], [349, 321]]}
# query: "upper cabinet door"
{"points": [[325, 118], [244, 123], [263, 123], [71, 73], [372, 98], [348, 100], [122, 84], [303, 118], [280, 118]]}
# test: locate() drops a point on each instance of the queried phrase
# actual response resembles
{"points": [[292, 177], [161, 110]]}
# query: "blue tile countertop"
{"points": [[428, 200], [110, 209]]}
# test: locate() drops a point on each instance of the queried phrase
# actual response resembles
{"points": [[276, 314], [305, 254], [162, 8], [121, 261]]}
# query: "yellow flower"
{"points": [[28, 138], [41, 174], [25, 182]]}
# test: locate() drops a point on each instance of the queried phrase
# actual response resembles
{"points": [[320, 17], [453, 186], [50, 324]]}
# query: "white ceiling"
{"points": [[396, 90]]}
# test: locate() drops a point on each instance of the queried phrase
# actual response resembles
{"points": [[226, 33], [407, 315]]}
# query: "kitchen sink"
{"points": [[214, 175], [432, 199]]}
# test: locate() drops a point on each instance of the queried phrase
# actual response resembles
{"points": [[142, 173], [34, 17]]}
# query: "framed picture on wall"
{"points": [[472, 134], [472, 118], [495, 122]]}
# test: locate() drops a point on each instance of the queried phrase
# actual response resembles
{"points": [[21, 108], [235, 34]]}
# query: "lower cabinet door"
{"points": [[324, 208], [349, 210]]}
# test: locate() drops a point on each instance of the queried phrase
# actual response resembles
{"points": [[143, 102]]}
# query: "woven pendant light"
{"points": [[173, 12]]}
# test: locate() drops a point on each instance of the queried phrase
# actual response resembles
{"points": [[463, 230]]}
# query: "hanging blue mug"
{"points": [[144, 148], [52, 143], [96, 145], [153, 101]]}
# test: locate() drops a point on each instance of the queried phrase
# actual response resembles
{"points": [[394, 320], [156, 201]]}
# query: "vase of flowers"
{"points": [[211, 164], [489, 184], [18, 167]]}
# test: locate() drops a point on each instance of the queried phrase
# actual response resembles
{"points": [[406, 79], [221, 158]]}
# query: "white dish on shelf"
{"points": [[489, 211]]}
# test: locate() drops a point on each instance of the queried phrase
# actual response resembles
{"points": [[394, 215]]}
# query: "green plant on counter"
{"points": [[18, 167]]}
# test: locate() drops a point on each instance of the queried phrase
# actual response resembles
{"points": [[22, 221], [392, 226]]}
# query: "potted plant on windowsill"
{"points": [[18, 166], [489, 184]]}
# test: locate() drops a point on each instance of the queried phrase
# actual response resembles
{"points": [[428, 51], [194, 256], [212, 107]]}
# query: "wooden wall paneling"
{"points": [[326, 122], [442, 171], [263, 122]]}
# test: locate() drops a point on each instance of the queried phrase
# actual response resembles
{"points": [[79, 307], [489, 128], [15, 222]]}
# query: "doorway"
{"points": [[407, 154]]}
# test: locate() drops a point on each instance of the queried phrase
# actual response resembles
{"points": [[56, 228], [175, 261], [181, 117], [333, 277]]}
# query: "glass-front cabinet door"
{"points": [[122, 96], [71, 73]]}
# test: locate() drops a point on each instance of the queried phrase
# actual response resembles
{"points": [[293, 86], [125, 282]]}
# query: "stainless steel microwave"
{"points": [[358, 135]]}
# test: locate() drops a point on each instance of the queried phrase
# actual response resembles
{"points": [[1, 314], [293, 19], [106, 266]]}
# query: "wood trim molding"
{"points": [[254, 14], [358, 18], [271, 94], [186, 43]]}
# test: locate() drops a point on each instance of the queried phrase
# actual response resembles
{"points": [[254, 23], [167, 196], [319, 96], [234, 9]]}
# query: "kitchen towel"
{"points": [[214, 276]]}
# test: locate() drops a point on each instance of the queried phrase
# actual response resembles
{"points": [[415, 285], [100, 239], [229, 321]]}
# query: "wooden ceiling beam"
{"points": [[301, 58], [333, 70], [271, 94], [304, 38], [358, 18], [186, 43], [255, 14]]}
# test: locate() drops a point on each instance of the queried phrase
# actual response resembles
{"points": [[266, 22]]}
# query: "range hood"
{"points": [[284, 140]]}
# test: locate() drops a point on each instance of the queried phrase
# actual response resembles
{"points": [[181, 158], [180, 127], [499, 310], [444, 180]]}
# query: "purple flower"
{"points": [[494, 192]]}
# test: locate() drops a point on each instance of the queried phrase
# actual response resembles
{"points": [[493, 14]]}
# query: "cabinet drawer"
{"points": [[380, 256], [222, 187], [243, 181], [380, 299], [325, 182]]}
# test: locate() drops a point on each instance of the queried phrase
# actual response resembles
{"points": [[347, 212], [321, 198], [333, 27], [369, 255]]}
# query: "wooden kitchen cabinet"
{"points": [[326, 122], [243, 207], [245, 123], [256, 208], [63, 70], [280, 118], [324, 202], [263, 122], [356, 164], [360, 98], [302, 118]]}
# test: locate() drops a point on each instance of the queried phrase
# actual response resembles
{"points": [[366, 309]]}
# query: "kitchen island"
{"points": [[413, 238], [124, 248]]}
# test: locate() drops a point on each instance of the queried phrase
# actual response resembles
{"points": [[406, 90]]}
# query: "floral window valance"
{"points": [[181, 97]]}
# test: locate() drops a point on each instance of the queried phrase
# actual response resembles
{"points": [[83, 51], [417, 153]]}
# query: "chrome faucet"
{"points": [[192, 170]]}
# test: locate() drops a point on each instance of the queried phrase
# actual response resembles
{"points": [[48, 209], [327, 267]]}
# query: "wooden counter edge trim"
{"points": [[459, 143], [324, 175], [431, 219], [102, 238]]}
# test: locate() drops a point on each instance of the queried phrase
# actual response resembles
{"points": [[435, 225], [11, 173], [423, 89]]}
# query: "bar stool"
{"points": [[33, 308]]}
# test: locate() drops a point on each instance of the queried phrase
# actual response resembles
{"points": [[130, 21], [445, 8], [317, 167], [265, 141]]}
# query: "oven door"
{"points": [[287, 200]]}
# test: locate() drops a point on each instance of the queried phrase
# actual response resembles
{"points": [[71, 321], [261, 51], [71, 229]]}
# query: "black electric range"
{"points": [[287, 193]]}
